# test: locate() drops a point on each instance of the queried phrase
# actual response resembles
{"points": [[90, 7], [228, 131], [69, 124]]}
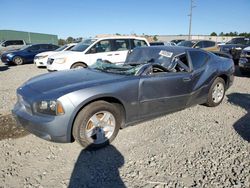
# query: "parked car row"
{"points": [[235, 47], [26, 53], [112, 49]]}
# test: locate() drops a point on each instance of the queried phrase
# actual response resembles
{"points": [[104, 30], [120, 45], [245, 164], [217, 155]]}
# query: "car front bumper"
{"points": [[51, 128], [6, 60], [41, 62]]}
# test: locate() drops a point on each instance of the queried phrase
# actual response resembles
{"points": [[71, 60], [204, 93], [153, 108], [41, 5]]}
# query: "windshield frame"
{"points": [[84, 45]]}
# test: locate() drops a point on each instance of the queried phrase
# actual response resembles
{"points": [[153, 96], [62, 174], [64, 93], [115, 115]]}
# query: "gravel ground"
{"points": [[196, 147]]}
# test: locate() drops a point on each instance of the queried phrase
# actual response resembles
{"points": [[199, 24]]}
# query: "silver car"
{"points": [[91, 105]]}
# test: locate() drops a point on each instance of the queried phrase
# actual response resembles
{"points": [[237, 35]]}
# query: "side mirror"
{"points": [[197, 47], [4, 45]]}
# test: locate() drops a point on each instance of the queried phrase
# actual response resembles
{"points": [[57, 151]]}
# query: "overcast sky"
{"points": [[86, 18]]}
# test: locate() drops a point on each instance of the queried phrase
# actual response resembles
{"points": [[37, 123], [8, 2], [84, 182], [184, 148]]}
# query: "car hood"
{"points": [[64, 54], [247, 48], [66, 81], [46, 53]]}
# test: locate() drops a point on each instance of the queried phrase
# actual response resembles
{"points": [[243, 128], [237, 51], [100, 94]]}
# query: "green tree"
{"points": [[61, 42], [213, 34], [221, 34], [70, 40]]}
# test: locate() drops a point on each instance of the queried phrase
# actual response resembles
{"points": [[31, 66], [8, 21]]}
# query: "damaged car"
{"points": [[91, 105]]}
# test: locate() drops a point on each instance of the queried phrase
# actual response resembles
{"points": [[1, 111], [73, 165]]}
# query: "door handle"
{"points": [[109, 54], [117, 54], [187, 79]]}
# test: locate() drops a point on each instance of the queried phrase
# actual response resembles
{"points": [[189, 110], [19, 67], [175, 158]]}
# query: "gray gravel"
{"points": [[196, 147]]}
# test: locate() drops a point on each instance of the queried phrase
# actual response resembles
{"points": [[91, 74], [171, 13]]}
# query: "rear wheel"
{"points": [[78, 66], [97, 124], [18, 60], [216, 92]]}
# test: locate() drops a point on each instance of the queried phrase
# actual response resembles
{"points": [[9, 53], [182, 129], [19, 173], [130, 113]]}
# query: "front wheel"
{"points": [[216, 92], [78, 66], [18, 60], [97, 124]]}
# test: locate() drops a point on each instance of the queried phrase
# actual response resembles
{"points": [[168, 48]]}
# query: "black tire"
{"points": [[78, 65], [211, 102], [83, 120], [18, 60]]}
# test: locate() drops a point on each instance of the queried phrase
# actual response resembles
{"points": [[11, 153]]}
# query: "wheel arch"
{"points": [[108, 99], [225, 78], [79, 62]]}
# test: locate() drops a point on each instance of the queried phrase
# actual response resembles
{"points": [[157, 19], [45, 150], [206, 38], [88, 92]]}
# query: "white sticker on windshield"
{"points": [[166, 53]]}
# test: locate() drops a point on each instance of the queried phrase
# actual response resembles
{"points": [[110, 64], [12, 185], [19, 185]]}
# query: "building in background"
{"points": [[29, 37]]}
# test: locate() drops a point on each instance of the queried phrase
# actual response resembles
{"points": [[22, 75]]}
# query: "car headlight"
{"points": [[41, 57], [51, 107], [60, 60]]}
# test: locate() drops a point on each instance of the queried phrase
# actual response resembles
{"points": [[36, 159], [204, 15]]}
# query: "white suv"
{"points": [[41, 59], [84, 54]]}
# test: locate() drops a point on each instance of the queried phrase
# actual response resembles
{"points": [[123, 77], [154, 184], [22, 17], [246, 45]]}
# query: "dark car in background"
{"points": [[244, 62], [26, 54], [207, 45], [156, 44], [176, 41], [235, 46], [90, 105]]}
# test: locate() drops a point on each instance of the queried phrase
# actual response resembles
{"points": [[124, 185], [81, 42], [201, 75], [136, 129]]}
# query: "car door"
{"points": [[32, 51], [210, 46], [164, 92], [120, 50], [101, 50], [201, 76]]}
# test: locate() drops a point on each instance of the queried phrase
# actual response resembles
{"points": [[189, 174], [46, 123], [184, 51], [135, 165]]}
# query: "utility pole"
{"points": [[190, 19]]}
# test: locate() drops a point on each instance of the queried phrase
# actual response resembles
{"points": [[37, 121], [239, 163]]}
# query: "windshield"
{"points": [[186, 43], [105, 66], [239, 41], [80, 47], [61, 48]]}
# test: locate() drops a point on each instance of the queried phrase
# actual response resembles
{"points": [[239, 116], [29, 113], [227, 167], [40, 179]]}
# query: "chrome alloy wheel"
{"points": [[218, 92], [100, 127], [18, 61]]}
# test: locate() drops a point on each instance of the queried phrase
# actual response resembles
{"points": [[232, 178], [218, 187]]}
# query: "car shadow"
{"points": [[4, 68], [9, 129], [98, 168], [242, 126]]}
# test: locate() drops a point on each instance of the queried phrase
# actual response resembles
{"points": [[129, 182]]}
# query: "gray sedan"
{"points": [[91, 105]]}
